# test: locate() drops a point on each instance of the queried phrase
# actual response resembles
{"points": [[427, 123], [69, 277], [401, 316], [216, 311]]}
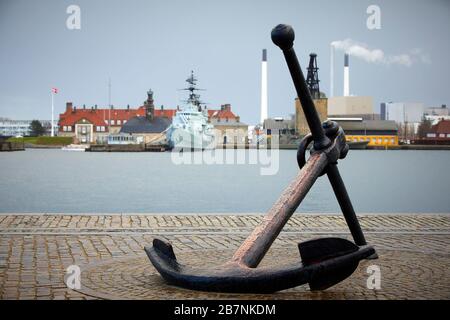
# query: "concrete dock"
{"points": [[36, 249]]}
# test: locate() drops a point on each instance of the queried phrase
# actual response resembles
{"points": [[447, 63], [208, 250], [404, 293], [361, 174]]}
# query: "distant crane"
{"points": [[312, 79]]}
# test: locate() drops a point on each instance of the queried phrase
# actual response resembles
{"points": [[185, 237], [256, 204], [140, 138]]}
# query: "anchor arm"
{"points": [[346, 205]]}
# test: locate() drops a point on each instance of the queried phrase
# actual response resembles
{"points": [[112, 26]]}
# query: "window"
{"points": [[442, 135], [392, 141], [431, 135], [124, 121], [119, 122], [65, 128], [97, 128], [112, 122], [69, 128], [448, 135]]}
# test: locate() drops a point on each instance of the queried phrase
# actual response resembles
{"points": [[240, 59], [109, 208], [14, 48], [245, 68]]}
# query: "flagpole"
{"points": [[52, 132]]}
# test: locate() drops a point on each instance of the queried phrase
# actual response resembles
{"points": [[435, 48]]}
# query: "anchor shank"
{"points": [[252, 251], [346, 205]]}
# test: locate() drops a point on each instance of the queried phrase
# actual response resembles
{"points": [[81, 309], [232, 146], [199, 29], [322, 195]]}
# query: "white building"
{"points": [[15, 128], [408, 116], [435, 119], [405, 112], [351, 105], [440, 111]]}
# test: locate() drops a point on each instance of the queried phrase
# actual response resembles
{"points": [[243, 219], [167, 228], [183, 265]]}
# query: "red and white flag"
{"points": [[54, 90]]}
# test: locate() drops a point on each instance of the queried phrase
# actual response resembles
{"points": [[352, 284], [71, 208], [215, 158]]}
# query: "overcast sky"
{"points": [[154, 44]]}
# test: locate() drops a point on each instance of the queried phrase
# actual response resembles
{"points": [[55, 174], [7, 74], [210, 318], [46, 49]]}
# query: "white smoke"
{"points": [[362, 51]]}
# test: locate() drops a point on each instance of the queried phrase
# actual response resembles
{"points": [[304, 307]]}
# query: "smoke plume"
{"points": [[362, 51]]}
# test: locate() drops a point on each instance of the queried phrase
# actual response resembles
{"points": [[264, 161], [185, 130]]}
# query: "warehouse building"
{"points": [[376, 132], [301, 125]]}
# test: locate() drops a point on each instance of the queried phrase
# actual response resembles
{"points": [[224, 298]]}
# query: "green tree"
{"points": [[36, 128]]}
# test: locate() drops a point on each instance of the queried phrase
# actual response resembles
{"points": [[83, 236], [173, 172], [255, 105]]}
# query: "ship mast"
{"points": [[194, 98]]}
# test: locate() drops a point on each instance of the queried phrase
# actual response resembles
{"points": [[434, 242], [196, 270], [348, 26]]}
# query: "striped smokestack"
{"points": [[346, 76], [264, 86]]}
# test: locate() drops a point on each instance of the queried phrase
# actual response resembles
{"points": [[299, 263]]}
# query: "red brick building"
{"points": [[439, 134], [440, 131]]}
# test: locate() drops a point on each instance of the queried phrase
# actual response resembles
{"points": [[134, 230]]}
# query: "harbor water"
{"points": [[56, 181]]}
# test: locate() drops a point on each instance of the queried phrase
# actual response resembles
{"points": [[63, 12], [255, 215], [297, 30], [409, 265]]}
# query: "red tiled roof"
{"points": [[98, 117], [221, 114], [442, 127]]}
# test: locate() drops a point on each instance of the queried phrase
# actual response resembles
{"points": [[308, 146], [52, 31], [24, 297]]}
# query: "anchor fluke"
{"points": [[164, 248], [318, 251], [237, 278]]}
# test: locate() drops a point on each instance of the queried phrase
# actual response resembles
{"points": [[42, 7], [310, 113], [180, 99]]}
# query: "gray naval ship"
{"points": [[190, 129]]}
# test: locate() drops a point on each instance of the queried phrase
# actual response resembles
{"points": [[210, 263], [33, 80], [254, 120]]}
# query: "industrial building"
{"points": [[301, 125], [348, 105], [283, 128], [403, 112], [435, 115], [408, 116], [351, 106], [376, 132], [319, 99], [440, 111]]}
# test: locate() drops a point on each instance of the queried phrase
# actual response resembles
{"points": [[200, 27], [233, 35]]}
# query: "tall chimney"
{"points": [[346, 76], [331, 70], [264, 86]]}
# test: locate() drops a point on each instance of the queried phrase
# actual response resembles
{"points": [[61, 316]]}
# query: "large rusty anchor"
{"points": [[324, 262]]}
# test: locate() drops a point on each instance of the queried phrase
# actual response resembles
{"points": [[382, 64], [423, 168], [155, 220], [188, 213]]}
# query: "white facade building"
{"points": [[350, 105], [15, 128], [441, 111], [405, 112], [435, 119]]}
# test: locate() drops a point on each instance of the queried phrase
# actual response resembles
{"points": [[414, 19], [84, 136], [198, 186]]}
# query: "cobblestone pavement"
{"points": [[35, 251]]}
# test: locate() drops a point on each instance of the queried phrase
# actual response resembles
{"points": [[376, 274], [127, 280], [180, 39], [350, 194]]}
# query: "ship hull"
{"points": [[183, 140]]}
